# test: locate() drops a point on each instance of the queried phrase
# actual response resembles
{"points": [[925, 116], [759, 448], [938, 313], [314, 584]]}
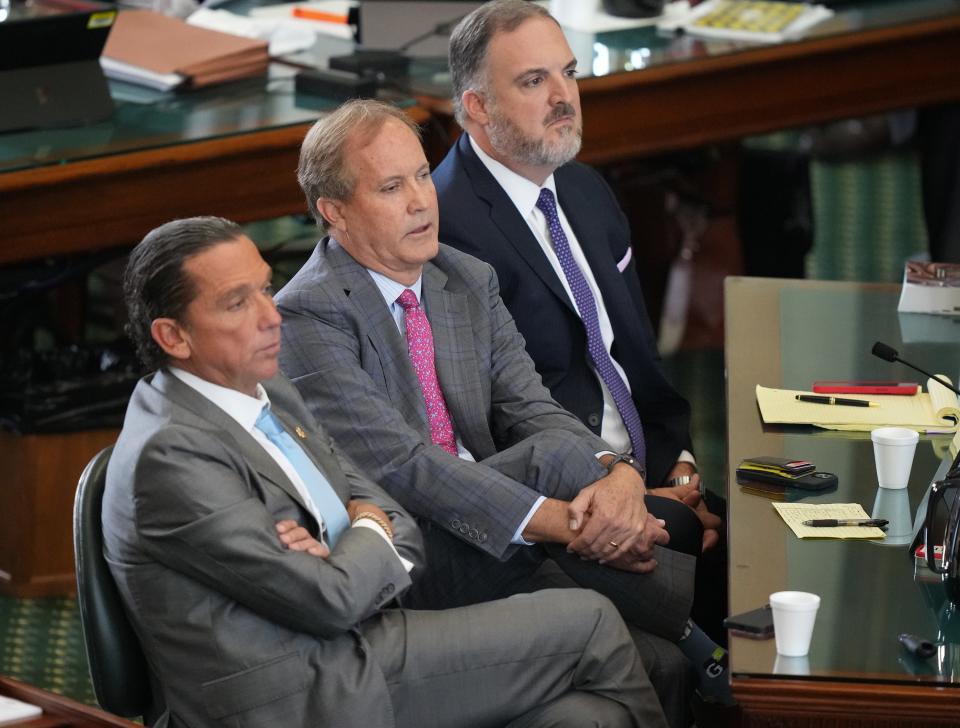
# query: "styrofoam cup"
{"points": [[794, 613], [574, 13], [893, 449]]}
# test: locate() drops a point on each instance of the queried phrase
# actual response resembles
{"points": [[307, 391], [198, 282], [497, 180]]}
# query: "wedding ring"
{"points": [[614, 544]]}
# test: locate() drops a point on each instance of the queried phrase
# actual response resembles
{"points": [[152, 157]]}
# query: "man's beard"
{"points": [[510, 141]]}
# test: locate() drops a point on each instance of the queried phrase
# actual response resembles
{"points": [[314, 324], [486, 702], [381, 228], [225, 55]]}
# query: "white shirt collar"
{"points": [[521, 191], [241, 407], [391, 290]]}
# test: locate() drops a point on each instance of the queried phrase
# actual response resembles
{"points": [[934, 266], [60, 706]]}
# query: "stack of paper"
{"points": [[15, 712], [936, 412], [154, 50], [769, 21], [930, 288]]}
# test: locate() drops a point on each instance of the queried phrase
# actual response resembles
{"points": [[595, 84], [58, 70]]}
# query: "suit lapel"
{"points": [[403, 387], [609, 280], [507, 218], [456, 359], [188, 398]]}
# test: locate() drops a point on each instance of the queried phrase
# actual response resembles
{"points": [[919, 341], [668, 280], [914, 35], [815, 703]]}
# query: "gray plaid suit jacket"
{"points": [[343, 351]]}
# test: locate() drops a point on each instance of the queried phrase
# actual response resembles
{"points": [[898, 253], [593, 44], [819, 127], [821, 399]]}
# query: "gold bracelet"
{"points": [[385, 525]]}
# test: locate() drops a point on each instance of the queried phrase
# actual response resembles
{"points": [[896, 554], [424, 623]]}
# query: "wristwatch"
{"points": [[625, 457]]}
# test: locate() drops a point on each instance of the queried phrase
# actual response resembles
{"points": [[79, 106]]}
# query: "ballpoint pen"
{"points": [[834, 522], [820, 399]]}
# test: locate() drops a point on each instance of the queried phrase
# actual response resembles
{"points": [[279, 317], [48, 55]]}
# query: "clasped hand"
{"points": [[613, 523]]}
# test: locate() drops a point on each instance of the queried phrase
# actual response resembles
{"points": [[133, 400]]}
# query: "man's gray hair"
{"points": [[470, 39], [322, 172]]}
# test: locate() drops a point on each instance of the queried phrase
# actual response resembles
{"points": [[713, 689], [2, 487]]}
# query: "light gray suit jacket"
{"points": [[237, 629], [343, 351]]}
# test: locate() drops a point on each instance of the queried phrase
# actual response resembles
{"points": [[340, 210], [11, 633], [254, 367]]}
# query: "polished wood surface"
{"points": [[856, 674], [58, 711], [36, 500], [726, 97], [111, 201]]}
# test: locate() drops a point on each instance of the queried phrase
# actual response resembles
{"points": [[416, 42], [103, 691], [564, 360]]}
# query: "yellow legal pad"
{"points": [[936, 412], [796, 513]]}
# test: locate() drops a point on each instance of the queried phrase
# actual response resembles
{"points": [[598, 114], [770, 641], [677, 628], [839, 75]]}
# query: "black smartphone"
{"points": [[757, 623]]}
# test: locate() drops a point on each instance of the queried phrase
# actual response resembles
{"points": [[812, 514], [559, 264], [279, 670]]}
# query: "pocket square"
{"points": [[625, 261]]}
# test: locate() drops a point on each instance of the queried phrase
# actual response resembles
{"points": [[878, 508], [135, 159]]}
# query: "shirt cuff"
{"points": [[518, 534], [687, 457], [372, 525]]}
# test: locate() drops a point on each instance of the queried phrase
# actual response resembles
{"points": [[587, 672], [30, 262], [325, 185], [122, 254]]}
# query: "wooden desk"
{"points": [[784, 333], [693, 94], [58, 711]]}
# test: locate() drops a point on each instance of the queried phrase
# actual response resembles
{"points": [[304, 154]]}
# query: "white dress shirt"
{"points": [[245, 410], [524, 195]]}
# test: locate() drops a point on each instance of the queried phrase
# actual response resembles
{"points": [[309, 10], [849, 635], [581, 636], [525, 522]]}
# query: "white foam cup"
{"points": [[893, 449], [574, 13], [794, 613]]}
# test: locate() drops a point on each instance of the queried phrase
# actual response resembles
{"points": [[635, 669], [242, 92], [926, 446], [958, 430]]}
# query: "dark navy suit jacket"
{"points": [[477, 217]]}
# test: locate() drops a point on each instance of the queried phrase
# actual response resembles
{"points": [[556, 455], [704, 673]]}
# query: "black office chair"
{"points": [[118, 668]]}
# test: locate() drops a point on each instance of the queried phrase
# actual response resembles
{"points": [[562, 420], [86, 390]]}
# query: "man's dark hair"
{"points": [[154, 282], [469, 40]]}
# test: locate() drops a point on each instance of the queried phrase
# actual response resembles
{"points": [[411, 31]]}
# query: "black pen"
{"points": [[834, 522], [819, 399]]}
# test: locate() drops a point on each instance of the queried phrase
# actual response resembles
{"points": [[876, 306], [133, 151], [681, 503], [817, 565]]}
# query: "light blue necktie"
{"points": [[334, 515]]}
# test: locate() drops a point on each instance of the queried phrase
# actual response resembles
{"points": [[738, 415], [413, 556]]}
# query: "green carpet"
{"points": [[41, 644]]}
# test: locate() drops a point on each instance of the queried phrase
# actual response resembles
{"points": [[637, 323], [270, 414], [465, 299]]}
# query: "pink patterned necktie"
{"points": [[420, 347]]}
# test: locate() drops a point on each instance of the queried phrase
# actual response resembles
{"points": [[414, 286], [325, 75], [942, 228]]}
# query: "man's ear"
{"points": [[170, 337], [332, 212], [475, 106]]}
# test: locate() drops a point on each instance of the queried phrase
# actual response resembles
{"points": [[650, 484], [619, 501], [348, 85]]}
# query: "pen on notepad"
{"points": [[834, 522], [818, 399]]}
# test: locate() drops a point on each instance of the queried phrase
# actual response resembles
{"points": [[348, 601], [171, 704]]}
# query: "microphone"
{"points": [[888, 353]]}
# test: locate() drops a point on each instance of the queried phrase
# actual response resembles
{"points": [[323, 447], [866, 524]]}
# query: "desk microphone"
{"points": [[888, 353]]}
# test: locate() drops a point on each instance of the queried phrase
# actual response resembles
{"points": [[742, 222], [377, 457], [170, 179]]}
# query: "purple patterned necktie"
{"points": [[420, 347], [587, 307]]}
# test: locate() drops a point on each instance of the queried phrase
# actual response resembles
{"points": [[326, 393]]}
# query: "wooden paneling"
{"points": [[36, 500]]}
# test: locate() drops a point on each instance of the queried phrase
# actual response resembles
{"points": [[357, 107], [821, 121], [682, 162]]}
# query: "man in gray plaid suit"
{"points": [[512, 491]]}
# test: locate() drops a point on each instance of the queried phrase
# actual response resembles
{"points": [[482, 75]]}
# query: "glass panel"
{"points": [[871, 590]]}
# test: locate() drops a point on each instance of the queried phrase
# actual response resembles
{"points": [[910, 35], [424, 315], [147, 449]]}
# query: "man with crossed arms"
{"points": [[249, 619]]}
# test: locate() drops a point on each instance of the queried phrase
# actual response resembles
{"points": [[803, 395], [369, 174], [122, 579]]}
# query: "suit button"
{"points": [[464, 528], [474, 533], [482, 537], [455, 523], [593, 419], [389, 588]]}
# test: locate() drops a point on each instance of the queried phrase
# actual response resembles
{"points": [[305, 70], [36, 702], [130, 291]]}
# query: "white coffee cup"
{"points": [[893, 449], [794, 613], [574, 13]]}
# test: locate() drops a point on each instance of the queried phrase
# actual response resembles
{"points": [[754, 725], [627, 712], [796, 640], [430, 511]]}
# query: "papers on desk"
{"points": [[14, 711], [794, 514], [935, 412], [930, 288], [763, 21], [154, 50], [322, 17]]}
